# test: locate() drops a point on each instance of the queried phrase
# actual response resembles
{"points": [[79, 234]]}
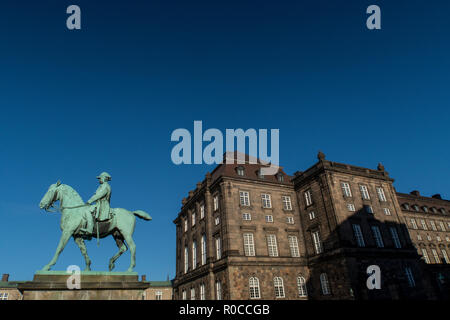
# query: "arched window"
{"points": [[301, 284], [279, 287], [253, 285], [324, 284]]}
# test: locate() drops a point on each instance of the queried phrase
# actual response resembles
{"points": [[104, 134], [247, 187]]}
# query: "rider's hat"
{"points": [[104, 175]]}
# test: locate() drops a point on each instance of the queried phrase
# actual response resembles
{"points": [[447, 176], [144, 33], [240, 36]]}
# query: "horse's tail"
{"points": [[142, 214]]}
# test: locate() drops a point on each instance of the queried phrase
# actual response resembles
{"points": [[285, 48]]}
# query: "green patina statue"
{"points": [[78, 220]]}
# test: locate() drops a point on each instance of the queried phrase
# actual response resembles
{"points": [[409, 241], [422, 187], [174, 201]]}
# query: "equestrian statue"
{"points": [[82, 221]]}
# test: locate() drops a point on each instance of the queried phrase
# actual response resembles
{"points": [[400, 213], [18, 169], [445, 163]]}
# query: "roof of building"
{"points": [[10, 284]]}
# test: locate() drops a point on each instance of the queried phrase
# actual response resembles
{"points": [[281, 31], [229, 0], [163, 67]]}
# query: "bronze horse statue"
{"points": [[73, 212]]}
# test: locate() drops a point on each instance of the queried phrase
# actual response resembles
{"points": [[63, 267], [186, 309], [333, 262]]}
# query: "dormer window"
{"points": [[280, 177], [442, 210], [240, 171], [406, 206], [260, 174], [425, 208], [433, 209], [416, 207]]}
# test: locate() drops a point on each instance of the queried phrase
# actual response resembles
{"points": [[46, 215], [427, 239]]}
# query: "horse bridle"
{"points": [[60, 209]]}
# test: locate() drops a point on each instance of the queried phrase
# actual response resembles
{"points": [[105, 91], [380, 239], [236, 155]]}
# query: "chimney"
{"points": [[143, 278], [436, 196], [5, 277], [415, 193]]}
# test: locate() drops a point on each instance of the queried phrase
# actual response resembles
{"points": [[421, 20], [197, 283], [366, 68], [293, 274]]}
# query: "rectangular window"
{"points": [[410, 277], [272, 245], [364, 192], [287, 204], [346, 189], [192, 293], [351, 207], [377, 236], [317, 242], [293, 245], [414, 224], [217, 221], [186, 259], [218, 290], [202, 211], [203, 248], [244, 198], [158, 295], [368, 209], [266, 202], [441, 224], [246, 216], [193, 218], [312, 215], [218, 248], [433, 225], [216, 203], [269, 218], [444, 254], [424, 225], [425, 255], [249, 245], [419, 237], [308, 198], [202, 292], [4, 296], [436, 256], [358, 235], [380, 193], [194, 254], [290, 220], [184, 295], [185, 225], [387, 211], [395, 237]]}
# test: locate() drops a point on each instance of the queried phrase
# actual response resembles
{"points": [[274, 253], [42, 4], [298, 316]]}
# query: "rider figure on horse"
{"points": [[102, 207]]}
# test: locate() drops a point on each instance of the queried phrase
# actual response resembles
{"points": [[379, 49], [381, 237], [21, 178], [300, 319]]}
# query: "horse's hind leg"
{"points": [[132, 246], [62, 243], [122, 248], [80, 242]]}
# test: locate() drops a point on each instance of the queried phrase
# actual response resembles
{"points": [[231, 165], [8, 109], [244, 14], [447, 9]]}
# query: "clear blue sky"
{"points": [[107, 97]]}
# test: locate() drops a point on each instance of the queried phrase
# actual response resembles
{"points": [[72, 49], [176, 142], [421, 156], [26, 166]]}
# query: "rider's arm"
{"points": [[100, 193]]}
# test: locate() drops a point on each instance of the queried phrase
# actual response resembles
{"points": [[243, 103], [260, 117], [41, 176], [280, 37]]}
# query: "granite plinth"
{"points": [[94, 285]]}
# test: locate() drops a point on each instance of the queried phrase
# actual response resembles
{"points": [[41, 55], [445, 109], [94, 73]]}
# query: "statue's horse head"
{"points": [[50, 196]]}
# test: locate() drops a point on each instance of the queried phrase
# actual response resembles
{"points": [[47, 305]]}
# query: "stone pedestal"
{"points": [[52, 285]]}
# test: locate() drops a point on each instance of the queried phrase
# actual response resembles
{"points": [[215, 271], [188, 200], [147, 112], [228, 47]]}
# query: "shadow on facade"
{"points": [[345, 264]]}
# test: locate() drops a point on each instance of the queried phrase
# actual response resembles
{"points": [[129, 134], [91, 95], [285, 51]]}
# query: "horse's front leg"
{"points": [[80, 242], [62, 243]]}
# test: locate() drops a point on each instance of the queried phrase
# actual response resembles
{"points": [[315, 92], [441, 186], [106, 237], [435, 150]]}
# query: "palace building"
{"points": [[243, 235]]}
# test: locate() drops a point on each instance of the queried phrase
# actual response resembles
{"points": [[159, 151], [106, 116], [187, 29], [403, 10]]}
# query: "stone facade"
{"points": [[237, 228]]}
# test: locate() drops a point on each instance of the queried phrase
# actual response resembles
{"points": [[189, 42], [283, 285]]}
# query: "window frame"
{"points": [[272, 245], [249, 244], [266, 199], [278, 285]]}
